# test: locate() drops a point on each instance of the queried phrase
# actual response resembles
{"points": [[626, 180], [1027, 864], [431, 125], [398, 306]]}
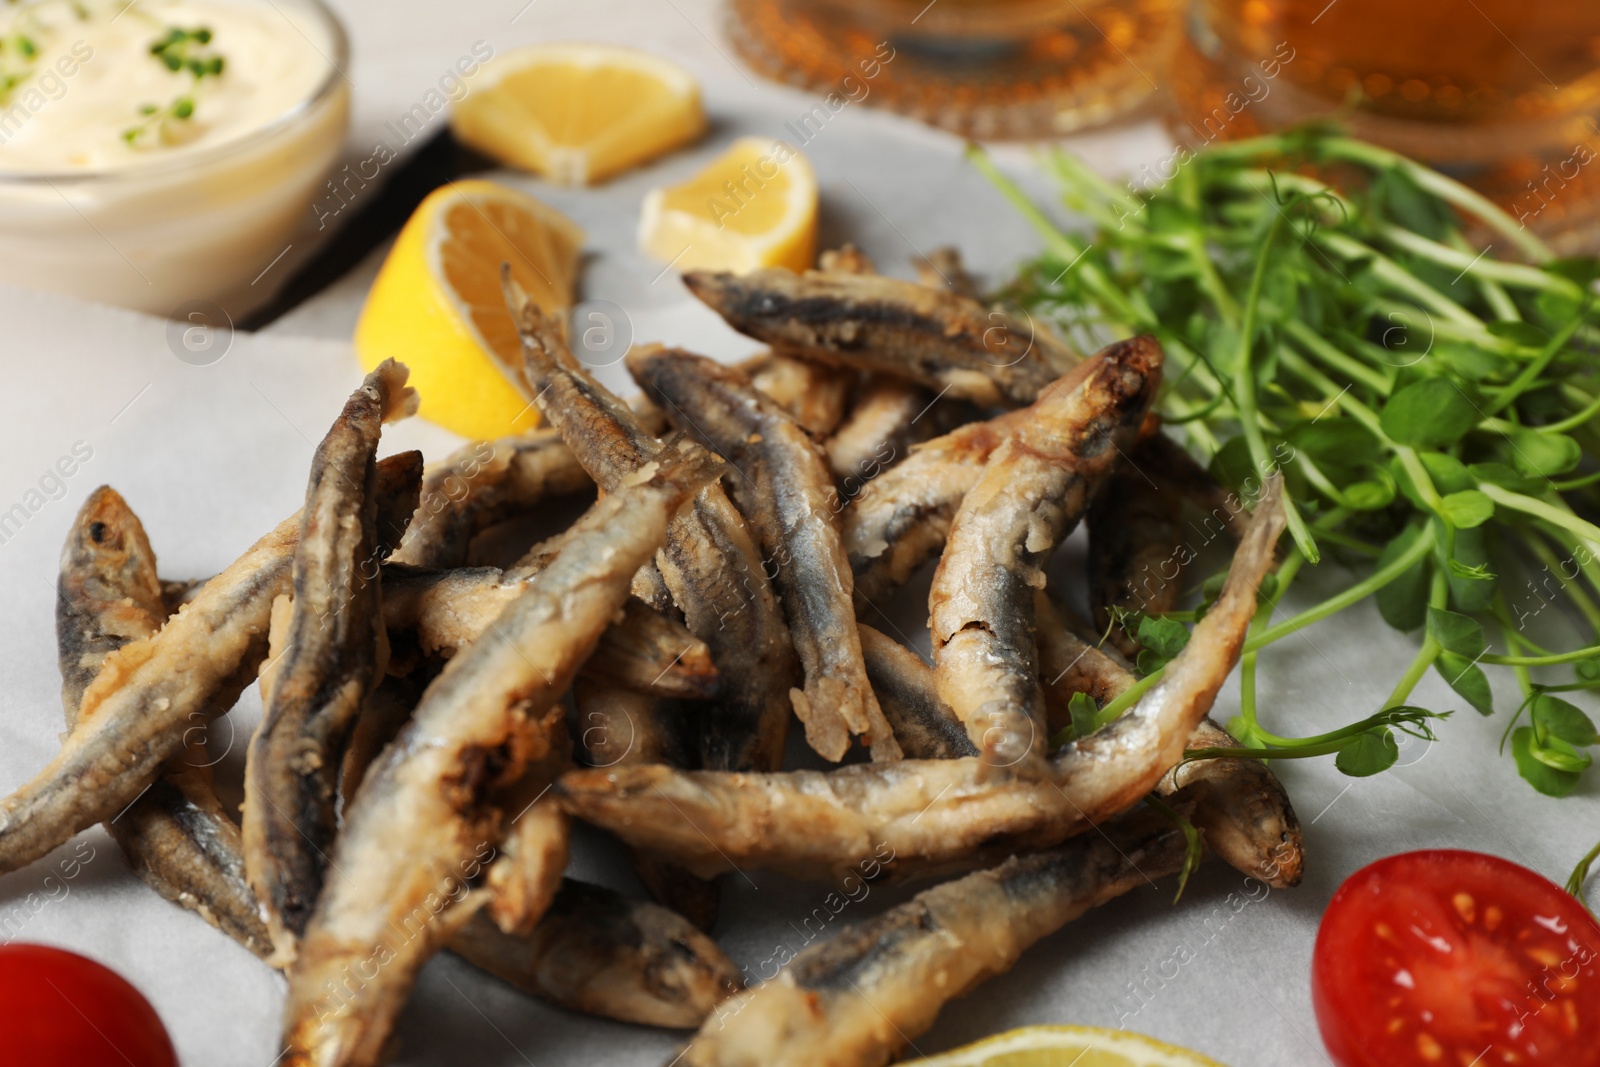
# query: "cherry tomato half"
{"points": [[61, 1009], [1449, 959]]}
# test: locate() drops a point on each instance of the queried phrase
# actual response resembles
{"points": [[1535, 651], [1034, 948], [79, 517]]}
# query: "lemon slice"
{"points": [[1068, 1046], [436, 305], [754, 206], [579, 113]]}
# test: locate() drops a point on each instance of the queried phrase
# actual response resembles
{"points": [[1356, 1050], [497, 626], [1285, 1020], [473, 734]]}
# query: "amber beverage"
{"points": [[1503, 93], [981, 68]]}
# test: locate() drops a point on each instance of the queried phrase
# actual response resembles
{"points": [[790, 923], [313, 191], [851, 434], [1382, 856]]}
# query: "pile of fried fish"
{"points": [[431, 727]]}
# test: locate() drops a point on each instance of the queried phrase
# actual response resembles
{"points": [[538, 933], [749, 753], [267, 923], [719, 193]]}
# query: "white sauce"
{"points": [[93, 71]]}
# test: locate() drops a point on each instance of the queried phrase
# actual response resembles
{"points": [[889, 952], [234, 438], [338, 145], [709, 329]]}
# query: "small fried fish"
{"points": [[783, 488], [445, 787], [330, 663], [939, 338], [1034, 489]]}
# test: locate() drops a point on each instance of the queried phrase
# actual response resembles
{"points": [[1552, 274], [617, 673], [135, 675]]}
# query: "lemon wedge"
{"points": [[436, 305], [1067, 1046], [753, 206], [579, 113]]}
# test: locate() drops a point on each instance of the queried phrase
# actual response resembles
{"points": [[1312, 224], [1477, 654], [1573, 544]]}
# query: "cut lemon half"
{"points": [[754, 206], [437, 307], [579, 113], [1068, 1046]]}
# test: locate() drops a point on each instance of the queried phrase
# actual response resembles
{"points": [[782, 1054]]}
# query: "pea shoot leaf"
{"points": [[1506, 477], [1472, 581], [1456, 633], [1539, 774], [1432, 413], [1403, 603], [1468, 508], [1372, 494], [1554, 717], [1368, 753], [1467, 679], [1543, 455], [1559, 755], [1084, 714]]}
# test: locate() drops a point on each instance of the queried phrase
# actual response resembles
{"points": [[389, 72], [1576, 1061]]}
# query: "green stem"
{"points": [[1319, 744], [1479, 265], [1539, 509], [1420, 546], [1399, 279], [1534, 539], [1330, 354], [1572, 422], [1445, 188], [1580, 874], [1494, 295], [1438, 597], [1244, 393], [1541, 661], [1520, 383]]}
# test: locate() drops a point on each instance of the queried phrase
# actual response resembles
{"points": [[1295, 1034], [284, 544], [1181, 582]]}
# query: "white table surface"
{"points": [[212, 456]]}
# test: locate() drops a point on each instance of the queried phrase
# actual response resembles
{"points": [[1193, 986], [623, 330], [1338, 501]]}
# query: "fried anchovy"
{"points": [[601, 953], [933, 813], [814, 395], [481, 484], [711, 568], [710, 562], [943, 268], [1034, 489], [785, 491], [617, 728], [150, 692], [909, 695], [857, 999], [329, 664], [1136, 550], [176, 836], [1247, 817], [901, 518], [643, 650], [938, 338], [434, 808], [889, 416]]}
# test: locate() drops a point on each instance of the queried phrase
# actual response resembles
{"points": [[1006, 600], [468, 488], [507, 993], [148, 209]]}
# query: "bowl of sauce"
{"points": [[160, 153]]}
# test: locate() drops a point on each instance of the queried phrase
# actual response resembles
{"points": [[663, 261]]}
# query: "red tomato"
{"points": [[1451, 959], [61, 1009]]}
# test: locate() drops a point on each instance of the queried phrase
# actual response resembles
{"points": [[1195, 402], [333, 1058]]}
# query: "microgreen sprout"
{"points": [[1424, 372]]}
